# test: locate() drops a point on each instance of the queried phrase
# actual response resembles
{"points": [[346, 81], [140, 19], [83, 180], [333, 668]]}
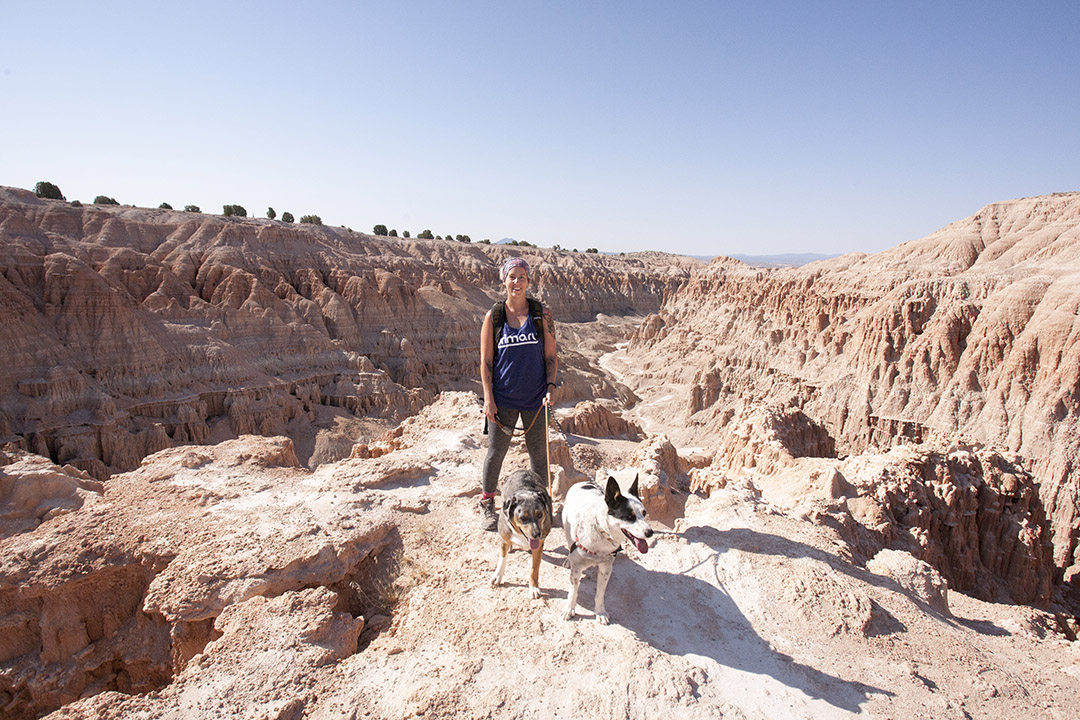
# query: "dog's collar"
{"points": [[587, 551]]}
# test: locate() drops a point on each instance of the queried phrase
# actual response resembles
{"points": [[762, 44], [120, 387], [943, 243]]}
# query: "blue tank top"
{"points": [[520, 380]]}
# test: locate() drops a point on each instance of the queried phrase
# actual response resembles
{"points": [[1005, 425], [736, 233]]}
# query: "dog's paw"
{"points": [[496, 580], [568, 613], [534, 593], [602, 618]]}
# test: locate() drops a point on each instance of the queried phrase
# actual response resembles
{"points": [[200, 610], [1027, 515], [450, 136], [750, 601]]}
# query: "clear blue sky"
{"points": [[695, 127]]}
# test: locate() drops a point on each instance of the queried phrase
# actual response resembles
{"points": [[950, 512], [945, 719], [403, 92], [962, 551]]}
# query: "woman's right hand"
{"points": [[490, 409]]}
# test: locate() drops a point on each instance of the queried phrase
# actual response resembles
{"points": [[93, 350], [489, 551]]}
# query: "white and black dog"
{"points": [[525, 521], [596, 520]]}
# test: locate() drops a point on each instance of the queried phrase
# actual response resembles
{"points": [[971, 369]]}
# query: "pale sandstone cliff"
{"points": [[970, 335]]}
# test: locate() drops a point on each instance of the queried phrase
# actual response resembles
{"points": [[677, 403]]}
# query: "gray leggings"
{"points": [[499, 443]]}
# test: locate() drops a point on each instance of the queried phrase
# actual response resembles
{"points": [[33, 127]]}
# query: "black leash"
{"points": [[514, 431]]}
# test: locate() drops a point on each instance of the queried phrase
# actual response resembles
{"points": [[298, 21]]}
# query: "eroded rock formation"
{"points": [[971, 332], [127, 331], [122, 590], [973, 515], [595, 420], [33, 490]]}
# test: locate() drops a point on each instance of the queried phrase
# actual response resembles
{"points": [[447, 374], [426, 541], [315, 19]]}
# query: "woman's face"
{"points": [[517, 282]]}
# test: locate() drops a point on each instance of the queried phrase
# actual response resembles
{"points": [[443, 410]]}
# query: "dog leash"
{"points": [[549, 420], [547, 446], [513, 432], [553, 420]]}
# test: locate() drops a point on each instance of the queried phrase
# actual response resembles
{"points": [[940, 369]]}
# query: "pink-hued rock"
{"points": [[33, 490], [130, 330], [972, 332], [592, 419]]}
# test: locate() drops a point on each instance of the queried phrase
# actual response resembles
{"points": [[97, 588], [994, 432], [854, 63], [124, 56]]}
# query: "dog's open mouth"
{"points": [[641, 544]]}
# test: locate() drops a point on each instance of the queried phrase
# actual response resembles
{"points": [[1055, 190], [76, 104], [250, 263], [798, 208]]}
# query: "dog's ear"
{"points": [[547, 516], [633, 488], [545, 498], [613, 493], [509, 506]]}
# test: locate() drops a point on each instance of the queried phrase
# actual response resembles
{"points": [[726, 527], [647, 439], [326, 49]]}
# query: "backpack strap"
{"points": [[536, 309], [498, 319]]}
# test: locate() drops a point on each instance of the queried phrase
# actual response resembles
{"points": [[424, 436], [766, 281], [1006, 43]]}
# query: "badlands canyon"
{"points": [[239, 466]]}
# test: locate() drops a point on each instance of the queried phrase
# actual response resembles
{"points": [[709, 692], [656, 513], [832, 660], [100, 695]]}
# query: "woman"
{"points": [[517, 370]]}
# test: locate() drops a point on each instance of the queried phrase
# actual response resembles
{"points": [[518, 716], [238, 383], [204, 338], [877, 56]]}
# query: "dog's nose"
{"points": [[648, 532]]}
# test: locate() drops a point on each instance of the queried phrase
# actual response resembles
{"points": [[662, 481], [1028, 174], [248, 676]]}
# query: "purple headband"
{"points": [[510, 265]]}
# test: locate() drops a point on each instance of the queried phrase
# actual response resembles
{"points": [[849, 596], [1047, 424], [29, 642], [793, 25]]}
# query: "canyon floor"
{"points": [[361, 589]]}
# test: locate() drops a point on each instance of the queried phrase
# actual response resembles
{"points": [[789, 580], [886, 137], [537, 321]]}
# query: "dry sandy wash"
{"points": [[242, 461]]}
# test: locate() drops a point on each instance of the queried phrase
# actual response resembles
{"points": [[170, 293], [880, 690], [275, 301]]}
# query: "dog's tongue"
{"points": [[534, 543], [641, 545]]}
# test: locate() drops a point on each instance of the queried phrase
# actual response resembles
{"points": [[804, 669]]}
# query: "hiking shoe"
{"points": [[488, 519]]}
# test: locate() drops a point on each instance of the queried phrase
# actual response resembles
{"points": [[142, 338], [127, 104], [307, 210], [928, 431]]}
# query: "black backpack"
{"points": [[498, 320]]}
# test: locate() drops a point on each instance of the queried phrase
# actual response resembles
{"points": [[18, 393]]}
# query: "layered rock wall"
{"points": [[128, 330], [971, 332]]}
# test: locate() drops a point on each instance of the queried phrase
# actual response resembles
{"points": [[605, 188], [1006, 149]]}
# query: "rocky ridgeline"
{"points": [[970, 335], [127, 331]]}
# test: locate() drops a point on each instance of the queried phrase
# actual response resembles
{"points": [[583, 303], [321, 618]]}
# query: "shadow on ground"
{"points": [[683, 615]]}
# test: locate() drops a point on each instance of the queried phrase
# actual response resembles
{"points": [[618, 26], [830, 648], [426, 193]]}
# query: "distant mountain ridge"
{"points": [[781, 260]]}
